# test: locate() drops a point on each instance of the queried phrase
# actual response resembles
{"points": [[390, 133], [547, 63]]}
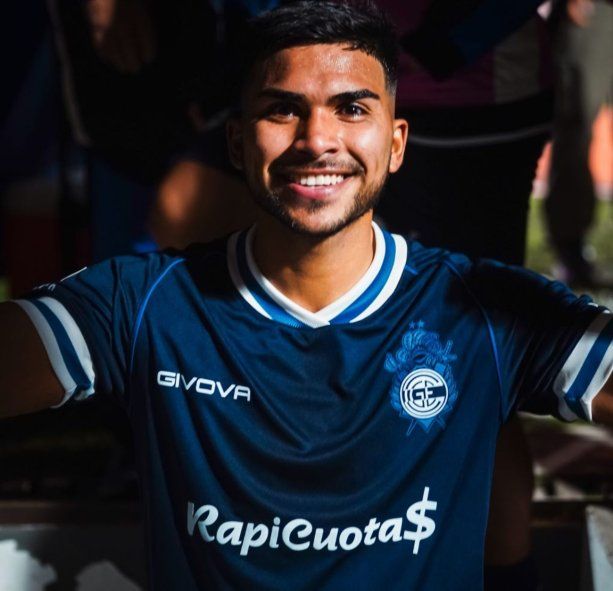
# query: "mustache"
{"points": [[287, 168]]}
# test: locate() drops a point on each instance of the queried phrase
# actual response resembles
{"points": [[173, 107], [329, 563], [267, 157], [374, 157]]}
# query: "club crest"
{"points": [[423, 389]]}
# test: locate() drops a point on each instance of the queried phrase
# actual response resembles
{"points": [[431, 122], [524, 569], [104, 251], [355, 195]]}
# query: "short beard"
{"points": [[271, 203]]}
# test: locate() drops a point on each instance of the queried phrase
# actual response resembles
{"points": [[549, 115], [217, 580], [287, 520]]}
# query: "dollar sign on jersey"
{"points": [[416, 514]]}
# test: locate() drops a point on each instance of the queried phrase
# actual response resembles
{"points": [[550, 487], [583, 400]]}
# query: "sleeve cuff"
{"points": [[66, 348], [586, 370]]}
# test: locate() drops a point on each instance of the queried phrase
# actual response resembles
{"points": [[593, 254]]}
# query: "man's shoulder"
{"points": [[482, 279], [428, 259], [136, 274], [153, 264]]}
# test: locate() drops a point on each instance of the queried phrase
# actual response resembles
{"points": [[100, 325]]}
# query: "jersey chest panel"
{"points": [[321, 448]]}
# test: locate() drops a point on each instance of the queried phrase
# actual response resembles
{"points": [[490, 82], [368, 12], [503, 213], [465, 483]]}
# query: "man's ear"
{"points": [[399, 142], [234, 137]]}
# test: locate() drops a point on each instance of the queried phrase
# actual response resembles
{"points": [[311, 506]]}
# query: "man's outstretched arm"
{"points": [[27, 380], [602, 405]]}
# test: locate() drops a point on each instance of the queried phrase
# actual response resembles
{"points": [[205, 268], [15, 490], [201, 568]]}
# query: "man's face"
{"points": [[317, 137]]}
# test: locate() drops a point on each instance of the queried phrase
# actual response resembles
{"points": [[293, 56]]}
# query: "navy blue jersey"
{"points": [[348, 449]]}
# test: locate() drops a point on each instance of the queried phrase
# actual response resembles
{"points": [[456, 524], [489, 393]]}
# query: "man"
{"points": [[315, 402], [477, 99]]}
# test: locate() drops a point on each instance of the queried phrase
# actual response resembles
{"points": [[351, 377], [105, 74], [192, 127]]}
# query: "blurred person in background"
{"points": [[141, 79], [476, 86], [584, 82], [202, 196], [132, 71], [148, 88]]}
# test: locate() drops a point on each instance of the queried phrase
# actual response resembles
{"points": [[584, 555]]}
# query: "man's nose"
{"points": [[318, 134]]}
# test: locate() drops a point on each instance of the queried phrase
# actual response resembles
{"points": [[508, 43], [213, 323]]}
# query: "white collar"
{"points": [[365, 297]]}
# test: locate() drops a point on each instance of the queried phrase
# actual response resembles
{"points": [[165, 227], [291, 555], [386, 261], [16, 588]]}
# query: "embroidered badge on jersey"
{"points": [[423, 389]]}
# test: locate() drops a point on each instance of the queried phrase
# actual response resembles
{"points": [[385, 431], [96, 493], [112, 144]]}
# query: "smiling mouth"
{"points": [[315, 179], [319, 180]]}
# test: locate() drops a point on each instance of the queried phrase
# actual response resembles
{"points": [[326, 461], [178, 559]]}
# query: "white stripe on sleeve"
{"points": [[573, 365], [53, 349]]}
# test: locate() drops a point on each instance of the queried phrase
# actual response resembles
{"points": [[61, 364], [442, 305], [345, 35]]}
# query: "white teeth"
{"points": [[321, 180]]}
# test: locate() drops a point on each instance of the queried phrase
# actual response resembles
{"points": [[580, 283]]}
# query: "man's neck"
{"points": [[313, 272]]}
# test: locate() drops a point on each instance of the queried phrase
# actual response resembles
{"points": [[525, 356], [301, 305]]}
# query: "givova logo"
{"points": [[300, 534], [173, 379]]}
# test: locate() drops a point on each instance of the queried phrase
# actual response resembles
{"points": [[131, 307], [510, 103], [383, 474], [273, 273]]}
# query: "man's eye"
{"points": [[352, 111], [282, 110]]}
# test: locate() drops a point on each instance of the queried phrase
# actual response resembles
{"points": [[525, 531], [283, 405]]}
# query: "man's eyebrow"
{"points": [[343, 97], [355, 95]]}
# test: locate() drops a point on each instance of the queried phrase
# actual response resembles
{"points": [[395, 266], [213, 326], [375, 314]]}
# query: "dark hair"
{"points": [[360, 24]]}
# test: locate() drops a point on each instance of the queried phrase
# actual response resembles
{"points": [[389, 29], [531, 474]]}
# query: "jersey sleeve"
{"points": [[553, 350], [86, 323]]}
